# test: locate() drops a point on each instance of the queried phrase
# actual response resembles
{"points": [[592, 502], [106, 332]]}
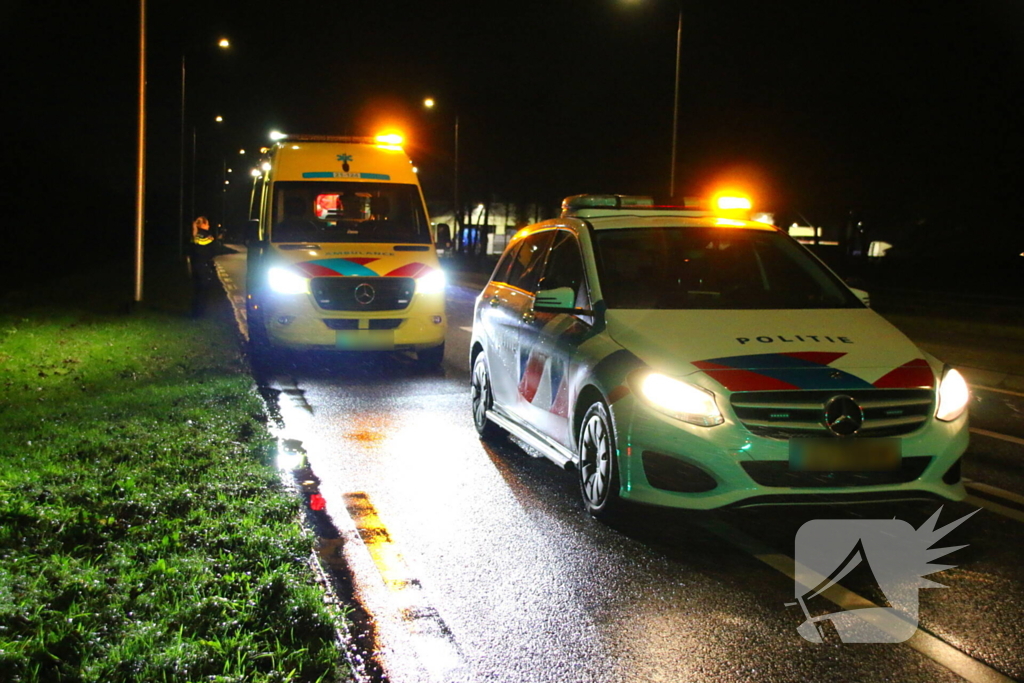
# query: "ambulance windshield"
{"points": [[347, 212], [712, 268]]}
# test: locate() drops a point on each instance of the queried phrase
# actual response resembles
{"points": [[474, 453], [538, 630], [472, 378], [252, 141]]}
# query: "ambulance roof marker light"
{"points": [[389, 141], [276, 135]]}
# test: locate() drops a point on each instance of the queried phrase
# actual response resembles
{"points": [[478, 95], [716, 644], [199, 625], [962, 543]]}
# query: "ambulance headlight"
{"points": [[284, 281], [431, 283], [953, 396], [680, 400]]}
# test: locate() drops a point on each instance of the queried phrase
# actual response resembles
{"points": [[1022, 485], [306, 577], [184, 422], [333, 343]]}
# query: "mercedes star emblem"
{"points": [[843, 416], [364, 294]]}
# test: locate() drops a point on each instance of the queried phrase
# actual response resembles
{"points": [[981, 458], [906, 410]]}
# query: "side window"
{"points": [[565, 268], [501, 270], [529, 260]]}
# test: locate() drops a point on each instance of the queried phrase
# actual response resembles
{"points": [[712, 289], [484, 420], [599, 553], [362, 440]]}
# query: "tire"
{"points": [[430, 358], [598, 465], [482, 400], [260, 350]]}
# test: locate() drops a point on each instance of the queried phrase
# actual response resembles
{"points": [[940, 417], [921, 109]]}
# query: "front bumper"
{"points": [[293, 321], [726, 465]]}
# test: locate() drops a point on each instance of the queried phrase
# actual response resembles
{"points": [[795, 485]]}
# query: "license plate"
{"points": [[844, 455], [365, 340]]}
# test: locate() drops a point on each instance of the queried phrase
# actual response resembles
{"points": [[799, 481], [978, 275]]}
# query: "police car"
{"points": [[691, 358]]}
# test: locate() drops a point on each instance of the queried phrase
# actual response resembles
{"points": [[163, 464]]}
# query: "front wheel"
{"points": [[598, 462], [480, 387], [430, 358]]}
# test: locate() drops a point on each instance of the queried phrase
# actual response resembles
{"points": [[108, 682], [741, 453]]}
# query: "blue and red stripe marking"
{"points": [[806, 370]]}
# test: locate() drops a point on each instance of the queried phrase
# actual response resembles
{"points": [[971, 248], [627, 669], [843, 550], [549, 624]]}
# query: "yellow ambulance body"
{"points": [[343, 257]]}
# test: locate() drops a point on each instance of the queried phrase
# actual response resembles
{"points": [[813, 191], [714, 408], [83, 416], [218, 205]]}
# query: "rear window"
{"points": [[347, 212]]}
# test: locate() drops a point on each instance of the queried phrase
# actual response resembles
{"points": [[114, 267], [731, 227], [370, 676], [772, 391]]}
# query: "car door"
{"points": [[550, 340], [503, 303]]}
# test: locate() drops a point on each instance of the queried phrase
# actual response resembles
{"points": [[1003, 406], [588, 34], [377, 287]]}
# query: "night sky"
{"points": [[905, 113]]}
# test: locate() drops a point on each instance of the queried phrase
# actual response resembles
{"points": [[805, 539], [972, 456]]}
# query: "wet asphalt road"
{"points": [[477, 561]]}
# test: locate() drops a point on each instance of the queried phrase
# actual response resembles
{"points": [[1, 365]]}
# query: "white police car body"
{"points": [[692, 359]]}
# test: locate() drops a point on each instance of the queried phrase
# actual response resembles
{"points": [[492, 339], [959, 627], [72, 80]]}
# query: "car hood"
{"points": [[763, 350]]}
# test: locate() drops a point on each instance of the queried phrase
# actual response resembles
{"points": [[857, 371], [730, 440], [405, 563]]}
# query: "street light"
{"points": [[224, 42], [429, 103], [219, 119]]}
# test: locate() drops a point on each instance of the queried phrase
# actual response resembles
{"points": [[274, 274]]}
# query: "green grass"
{"points": [[144, 535]]}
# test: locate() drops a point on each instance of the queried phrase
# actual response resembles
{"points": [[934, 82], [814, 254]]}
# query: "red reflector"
{"points": [[317, 502]]}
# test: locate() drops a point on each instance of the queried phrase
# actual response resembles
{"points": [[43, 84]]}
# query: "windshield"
{"points": [[712, 268], [347, 212]]}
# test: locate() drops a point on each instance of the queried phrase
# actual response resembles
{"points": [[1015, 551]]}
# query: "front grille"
{"points": [[777, 473], [785, 414], [342, 323], [339, 293], [371, 324]]}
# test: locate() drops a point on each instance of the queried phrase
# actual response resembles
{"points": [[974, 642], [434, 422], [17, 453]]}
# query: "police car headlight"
{"points": [[284, 281], [681, 400], [431, 283], [953, 396]]}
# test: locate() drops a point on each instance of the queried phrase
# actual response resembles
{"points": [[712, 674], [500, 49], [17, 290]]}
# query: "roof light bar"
{"points": [[729, 203], [604, 201]]}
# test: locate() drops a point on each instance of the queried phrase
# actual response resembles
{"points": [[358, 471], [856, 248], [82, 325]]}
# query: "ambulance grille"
{"points": [[785, 414], [347, 293]]}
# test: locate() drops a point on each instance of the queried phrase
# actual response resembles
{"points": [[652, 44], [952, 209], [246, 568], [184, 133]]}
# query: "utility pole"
{"points": [[456, 212]]}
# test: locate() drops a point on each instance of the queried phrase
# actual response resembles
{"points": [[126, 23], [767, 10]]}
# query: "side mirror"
{"points": [[864, 297], [252, 231], [559, 299]]}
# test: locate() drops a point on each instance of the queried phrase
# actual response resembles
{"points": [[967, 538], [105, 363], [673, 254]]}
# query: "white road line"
{"points": [[999, 391], [466, 329], [996, 435], [995, 491], [995, 507], [930, 646]]}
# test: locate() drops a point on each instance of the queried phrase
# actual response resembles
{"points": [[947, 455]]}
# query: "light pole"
{"points": [[223, 44], [140, 171], [429, 103], [675, 106], [675, 109]]}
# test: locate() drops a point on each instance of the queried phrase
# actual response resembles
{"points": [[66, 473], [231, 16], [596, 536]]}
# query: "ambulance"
{"points": [[688, 357], [342, 255]]}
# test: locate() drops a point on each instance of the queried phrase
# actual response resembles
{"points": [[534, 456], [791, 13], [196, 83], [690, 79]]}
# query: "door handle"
{"points": [[494, 300]]}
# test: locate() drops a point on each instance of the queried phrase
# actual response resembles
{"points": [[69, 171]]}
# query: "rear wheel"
{"points": [[598, 462], [480, 386]]}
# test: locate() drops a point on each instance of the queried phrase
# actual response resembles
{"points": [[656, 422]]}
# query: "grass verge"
{"points": [[144, 535]]}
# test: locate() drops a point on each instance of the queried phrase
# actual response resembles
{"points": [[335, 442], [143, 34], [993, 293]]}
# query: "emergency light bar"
{"points": [[299, 137], [594, 205]]}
